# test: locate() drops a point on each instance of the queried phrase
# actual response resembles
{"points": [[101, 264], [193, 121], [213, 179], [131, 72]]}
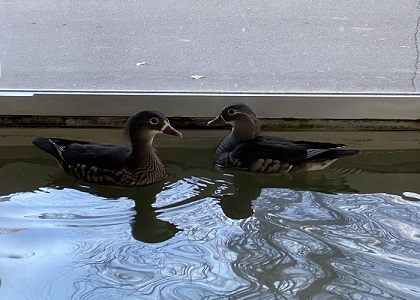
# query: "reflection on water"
{"points": [[330, 245], [349, 231]]}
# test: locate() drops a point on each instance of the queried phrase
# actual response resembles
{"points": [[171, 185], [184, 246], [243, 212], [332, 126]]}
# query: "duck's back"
{"points": [[277, 155], [71, 152]]}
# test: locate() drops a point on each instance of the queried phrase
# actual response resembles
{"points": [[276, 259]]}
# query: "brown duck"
{"points": [[115, 164], [244, 148]]}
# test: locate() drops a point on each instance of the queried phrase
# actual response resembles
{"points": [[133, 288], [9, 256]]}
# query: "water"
{"points": [[351, 231]]}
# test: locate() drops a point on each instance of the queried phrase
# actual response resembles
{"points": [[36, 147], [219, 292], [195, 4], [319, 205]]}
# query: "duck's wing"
{"points": [[252, 150], [312, 148], [324, 151], [72, 153], [284, 150], [306, 144]]}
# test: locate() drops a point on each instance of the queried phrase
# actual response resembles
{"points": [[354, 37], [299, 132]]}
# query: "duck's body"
{"points": [[114, 164], [246, 149]]}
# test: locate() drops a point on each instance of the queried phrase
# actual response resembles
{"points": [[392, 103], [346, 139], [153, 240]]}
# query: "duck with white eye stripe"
{"points": [[114, 164], [246, 149]]}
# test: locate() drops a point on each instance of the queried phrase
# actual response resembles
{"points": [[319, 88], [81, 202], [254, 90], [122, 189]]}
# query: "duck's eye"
{"points": [[231, 112], [154, 121]]}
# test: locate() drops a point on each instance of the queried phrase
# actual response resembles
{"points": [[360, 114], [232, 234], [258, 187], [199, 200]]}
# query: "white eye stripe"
{"points": [[231, 112], [154, 121]]}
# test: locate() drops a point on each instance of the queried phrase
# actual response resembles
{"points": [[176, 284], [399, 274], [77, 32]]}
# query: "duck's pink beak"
{"points": [[218, 121], [171, 131]]}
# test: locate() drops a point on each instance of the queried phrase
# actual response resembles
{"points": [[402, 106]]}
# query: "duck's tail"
{"points": [[50, 146]]}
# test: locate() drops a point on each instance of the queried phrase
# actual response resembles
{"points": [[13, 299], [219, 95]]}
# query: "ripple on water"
{"points": [[330, 245], [192, 264], [190, 189], [48, 225], [297, 244], [67, 207]]}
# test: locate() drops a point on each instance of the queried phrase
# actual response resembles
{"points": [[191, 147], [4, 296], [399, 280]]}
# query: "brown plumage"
{"points": [[115, 164], [244, 148]]}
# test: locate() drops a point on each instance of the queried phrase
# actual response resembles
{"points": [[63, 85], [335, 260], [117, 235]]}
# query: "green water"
{"points": [[351, 231]]}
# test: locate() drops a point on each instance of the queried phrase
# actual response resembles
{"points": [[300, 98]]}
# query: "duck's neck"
{"points": [[148, 165], [247, 131], [145, 155]]}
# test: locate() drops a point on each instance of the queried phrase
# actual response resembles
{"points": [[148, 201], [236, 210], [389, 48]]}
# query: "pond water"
{"points": [[351, 231]]}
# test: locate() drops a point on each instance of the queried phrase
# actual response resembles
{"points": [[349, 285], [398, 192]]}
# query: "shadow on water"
{"points": [[146, 225], [248, 187]]}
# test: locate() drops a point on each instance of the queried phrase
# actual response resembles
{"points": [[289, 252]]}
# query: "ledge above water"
{"points": [[362, 121], [196, 105]]}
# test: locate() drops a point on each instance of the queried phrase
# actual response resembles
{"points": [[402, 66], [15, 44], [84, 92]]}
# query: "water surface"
{"points": [[351, 231]]}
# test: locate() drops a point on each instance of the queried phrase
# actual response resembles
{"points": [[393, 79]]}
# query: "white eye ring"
{"points": [[154, 121], [231, 112]]}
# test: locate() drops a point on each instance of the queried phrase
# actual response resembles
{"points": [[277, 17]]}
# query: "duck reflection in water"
{"points": [[146, 225], [247, 187]]}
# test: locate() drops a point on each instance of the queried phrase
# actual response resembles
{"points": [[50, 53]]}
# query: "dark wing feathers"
{"points": [[99, 155], [286, 150], [315, 152], [73, 152], [252, 150], [49, 145], [306, 144], [334, 154]]}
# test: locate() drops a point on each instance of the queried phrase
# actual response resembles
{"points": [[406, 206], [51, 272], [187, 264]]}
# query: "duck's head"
{"points": [[240, 116], [144, 125]]}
